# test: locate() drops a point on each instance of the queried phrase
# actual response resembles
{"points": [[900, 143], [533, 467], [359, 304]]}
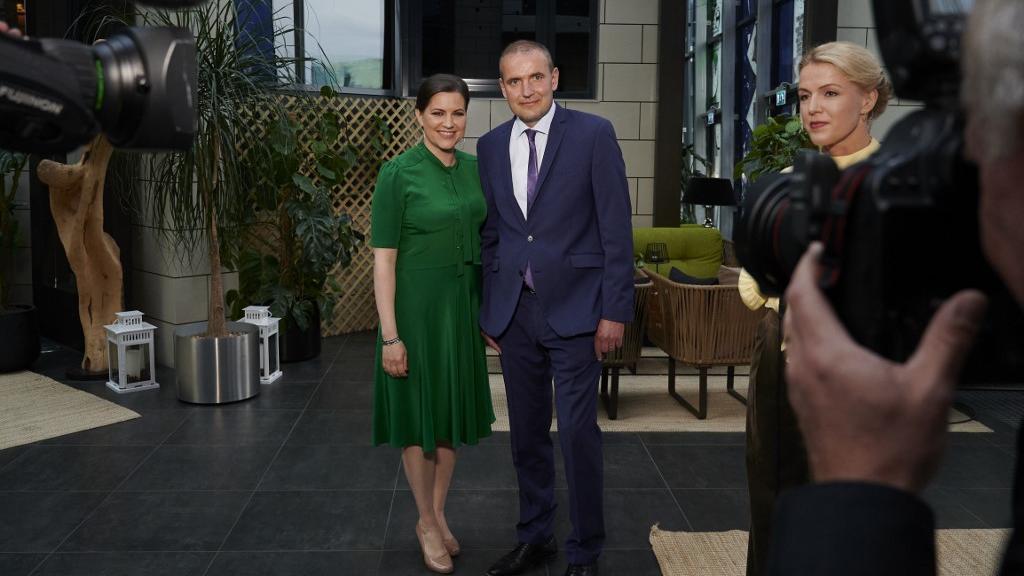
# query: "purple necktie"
{"points": [[531, 191]]}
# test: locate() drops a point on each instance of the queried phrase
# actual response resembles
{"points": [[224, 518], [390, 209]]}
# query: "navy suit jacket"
{"points": [[578, 237]]}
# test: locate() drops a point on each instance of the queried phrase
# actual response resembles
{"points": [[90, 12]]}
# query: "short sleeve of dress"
{"points": [[387, 209]]}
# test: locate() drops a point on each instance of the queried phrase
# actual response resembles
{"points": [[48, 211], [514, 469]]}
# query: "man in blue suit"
{"points": [[557, 256]]}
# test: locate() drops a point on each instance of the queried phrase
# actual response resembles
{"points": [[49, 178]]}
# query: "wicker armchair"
{"points": [[701, 326], [628, 354]]}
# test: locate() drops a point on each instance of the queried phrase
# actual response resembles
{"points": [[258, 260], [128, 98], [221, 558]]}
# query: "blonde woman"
{"points": [[842, 90]]}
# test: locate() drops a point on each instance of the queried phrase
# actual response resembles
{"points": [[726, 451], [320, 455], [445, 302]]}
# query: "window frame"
{"points": [[412, 36]]}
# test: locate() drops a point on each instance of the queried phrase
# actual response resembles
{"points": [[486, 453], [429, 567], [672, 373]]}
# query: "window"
{"points": [[690, 74], [346, 43], [746, 74], [466, 37], [712, 104], [347, 40], [783, 43], [737, 52]]}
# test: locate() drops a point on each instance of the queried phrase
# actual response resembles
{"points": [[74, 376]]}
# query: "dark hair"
{"points": [[524, 46], [440, 83]]}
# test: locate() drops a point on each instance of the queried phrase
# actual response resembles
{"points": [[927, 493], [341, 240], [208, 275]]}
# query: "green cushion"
{"points": [[692, 248]]}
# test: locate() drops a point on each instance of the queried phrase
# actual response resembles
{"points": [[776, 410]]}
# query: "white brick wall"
{"points": [[626, 95], [167, 288]]}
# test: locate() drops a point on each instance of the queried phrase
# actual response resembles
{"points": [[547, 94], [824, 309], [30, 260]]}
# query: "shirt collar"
{"points": [[543, 125]]}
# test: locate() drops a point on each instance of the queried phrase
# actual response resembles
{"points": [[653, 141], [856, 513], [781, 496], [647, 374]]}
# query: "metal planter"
{"points": [[217, 370]]}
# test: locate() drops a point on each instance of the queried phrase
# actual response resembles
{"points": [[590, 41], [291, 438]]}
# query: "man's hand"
{"points": [[863, 417], [491, 343], [608, 337], [5, 29], [394, 359]]}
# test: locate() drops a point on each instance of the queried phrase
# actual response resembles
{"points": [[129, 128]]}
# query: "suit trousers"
{"points": [[532, 354], [776, 457]]}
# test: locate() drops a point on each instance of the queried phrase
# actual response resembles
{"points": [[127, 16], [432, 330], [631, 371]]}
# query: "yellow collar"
{"points": [[844, 161]]}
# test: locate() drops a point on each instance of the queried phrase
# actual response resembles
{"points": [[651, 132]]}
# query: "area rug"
{"points": [[34, 407], [645, 406], [960, 552]]}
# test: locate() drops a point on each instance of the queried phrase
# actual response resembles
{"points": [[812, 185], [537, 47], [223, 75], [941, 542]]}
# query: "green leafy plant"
{"points": [[292, 270], [773, 146], [11, 167], [692, 165], [203, 195]]}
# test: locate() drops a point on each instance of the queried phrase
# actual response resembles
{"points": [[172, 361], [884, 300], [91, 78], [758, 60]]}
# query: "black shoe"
{"points": [[524, 557], [581, 570]]}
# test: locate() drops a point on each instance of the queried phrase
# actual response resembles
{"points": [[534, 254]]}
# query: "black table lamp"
{"points": [[709, 192]]}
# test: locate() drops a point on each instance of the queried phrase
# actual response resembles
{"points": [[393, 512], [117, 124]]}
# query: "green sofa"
{"points": [[692, 248]]}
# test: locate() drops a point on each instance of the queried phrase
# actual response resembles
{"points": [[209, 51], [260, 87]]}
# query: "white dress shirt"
{"points": [[519, 152]]}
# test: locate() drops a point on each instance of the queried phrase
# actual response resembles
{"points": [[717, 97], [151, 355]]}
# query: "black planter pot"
{"points": [[20, 334], [298, 345]]}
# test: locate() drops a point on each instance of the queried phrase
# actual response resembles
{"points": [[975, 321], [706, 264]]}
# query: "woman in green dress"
{"points": [[430, 391]]}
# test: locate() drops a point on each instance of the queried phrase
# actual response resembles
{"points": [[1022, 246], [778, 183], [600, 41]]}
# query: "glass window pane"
{"points": [[746, 86], [715, 16], [284, 28], [691, 25], [469, 42], [798, 36], [113, 367], [689, 100], [573, 8], [275, 362], [715, 92], [745, 8], [345, 41], [135, 363], [466, 38], [782, 44], [572, 45]]}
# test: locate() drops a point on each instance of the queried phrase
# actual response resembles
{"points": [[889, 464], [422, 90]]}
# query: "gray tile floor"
{"points": [[287, 483]]}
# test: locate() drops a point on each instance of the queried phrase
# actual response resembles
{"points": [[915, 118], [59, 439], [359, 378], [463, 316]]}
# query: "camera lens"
{"points": [[119, 105], [765, 241], [146, 99]]}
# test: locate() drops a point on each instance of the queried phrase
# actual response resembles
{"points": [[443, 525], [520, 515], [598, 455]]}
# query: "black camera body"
{"points": [[900, 229], [137, 87]]}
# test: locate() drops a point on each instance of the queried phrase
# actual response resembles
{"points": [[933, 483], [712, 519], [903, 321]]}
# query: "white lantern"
{"points": [[131, 361], [270, 357]]}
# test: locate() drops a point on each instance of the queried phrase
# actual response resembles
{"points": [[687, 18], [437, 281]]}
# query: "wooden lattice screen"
{"points": [[356, 309]]}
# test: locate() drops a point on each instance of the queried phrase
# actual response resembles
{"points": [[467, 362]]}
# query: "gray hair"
{"points": [[993, 79]]}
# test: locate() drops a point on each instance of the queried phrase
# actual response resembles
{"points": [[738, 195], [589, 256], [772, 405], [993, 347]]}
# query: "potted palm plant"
{"points": [[292, 268], [17, 321], [200, 197]]}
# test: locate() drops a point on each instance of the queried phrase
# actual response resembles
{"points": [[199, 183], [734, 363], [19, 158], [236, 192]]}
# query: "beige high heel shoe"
{"points": [[452, 546], [442, 563]]}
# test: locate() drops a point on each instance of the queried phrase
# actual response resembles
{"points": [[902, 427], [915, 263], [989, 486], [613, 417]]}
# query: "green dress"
{"points": [[432, 214]]}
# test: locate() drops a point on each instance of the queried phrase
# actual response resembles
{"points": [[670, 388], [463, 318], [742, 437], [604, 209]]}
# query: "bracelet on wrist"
{"points": [[392, 341]]}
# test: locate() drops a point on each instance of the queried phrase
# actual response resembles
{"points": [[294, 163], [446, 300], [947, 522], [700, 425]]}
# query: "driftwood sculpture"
{"points": [[76, 201]]}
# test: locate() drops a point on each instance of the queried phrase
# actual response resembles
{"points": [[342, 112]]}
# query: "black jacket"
{"points": [[858, 529]]}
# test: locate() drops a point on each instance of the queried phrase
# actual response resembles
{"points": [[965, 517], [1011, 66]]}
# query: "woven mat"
{"points": [[960, 552], [34, 407], [645, 406]]}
